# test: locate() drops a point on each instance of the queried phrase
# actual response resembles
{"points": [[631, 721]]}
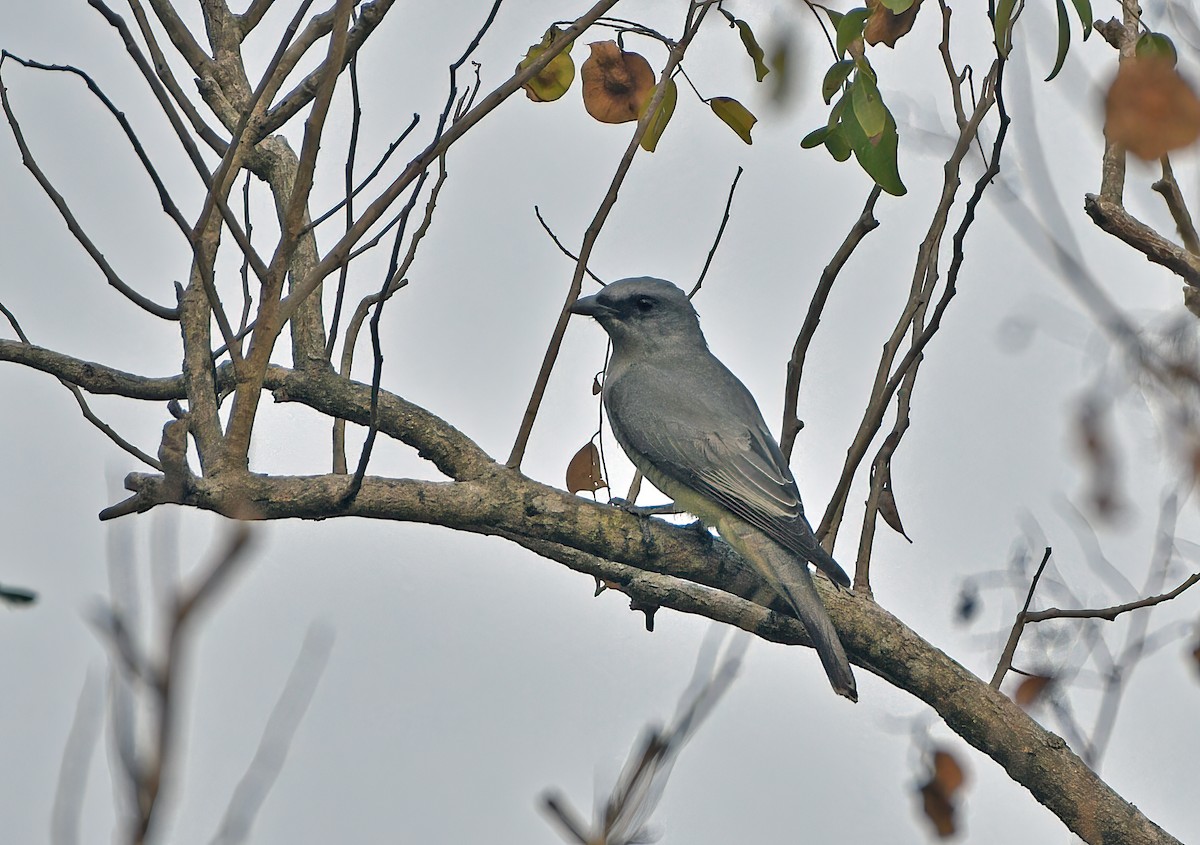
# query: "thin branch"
{"points": [[1111, 613], [720, 233], [164, 196], [864, 225], [1014, 636], [162, 82], [334, 258], [72, 224], [1177, 205], [562, 248], [76, 764], [691, 25], [886, 386], [290, 708], [370, 15], [348, 202], [84, 408], [392, 147]]}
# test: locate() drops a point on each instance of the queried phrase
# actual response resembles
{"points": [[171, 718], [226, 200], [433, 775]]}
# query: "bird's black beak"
{"points": [[590, 306]]}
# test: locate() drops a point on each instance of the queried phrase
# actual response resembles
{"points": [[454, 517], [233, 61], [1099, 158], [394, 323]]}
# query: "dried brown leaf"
{"points": [[583, 472], [1031, 689], [947, 772], [885, 26], [938, 809], [616, 84], [1150, 109], [887, 505]]}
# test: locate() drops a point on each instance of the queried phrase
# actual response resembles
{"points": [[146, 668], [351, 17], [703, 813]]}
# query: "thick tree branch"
{"points": [[506, 503]]}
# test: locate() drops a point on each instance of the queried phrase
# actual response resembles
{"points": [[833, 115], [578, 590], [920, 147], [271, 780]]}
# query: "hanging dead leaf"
{"points": [[555, 78], [887, 27], [947, 772], [887, 504], [596, 386], [1031, 689], [938, 809], [937, 793], [583, 472], [1150, 109], [616, 84]]}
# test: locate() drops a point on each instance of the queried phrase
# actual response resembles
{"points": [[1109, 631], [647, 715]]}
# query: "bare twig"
{"points": [[392, 147], [84, 408], [334, 258], [86, 728], [562, 248], [351, 154], [864, 225], [1014, 636], [164, 197], [285, 719], [72, 224], [1111, 613], [925, 275], [1169, 188], [720, 232]]}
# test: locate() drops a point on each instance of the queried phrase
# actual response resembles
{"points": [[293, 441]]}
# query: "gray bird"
{"points": [[694, 430]]}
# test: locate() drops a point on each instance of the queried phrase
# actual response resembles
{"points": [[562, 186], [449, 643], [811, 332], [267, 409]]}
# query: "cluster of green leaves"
{"points": [[859, 121]]}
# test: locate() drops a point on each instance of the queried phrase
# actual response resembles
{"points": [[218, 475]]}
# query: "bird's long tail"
{"points": [[788, 575]]}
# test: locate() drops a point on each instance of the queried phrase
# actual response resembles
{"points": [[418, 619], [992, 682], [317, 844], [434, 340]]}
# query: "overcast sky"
{"points": [[466, 674]]}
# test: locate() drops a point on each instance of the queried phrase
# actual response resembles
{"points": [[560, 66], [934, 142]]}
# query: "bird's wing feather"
{"points": [[730, 458]]}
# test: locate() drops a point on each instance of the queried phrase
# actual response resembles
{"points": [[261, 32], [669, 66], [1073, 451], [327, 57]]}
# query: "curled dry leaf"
{"points": [[1150, 109], [583, 472], [937, 793], [887, 27], [1031, 689], [616, 84], [556, 77]]}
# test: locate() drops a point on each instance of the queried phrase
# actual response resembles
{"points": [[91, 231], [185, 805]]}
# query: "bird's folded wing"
{"points": [[743, 471]]}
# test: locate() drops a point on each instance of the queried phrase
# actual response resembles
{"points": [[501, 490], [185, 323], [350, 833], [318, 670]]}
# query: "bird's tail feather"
{"points": [[789, 576]]}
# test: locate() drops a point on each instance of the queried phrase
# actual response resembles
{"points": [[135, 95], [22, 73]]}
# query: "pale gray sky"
{"points": [[467, 674]]}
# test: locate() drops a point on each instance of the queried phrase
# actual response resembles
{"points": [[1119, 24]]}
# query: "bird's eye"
{"points": [[644, 304]]}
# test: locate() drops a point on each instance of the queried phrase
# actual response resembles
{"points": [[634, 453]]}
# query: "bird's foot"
{"points": [[641, 510]]}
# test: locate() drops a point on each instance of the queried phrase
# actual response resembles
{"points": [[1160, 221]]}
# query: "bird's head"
{"points": [[643, 313]]}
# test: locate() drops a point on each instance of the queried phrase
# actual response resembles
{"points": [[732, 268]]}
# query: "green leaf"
{"points": [[835, 18], [876, 155], [1064, 39], [1084, 10], [556, 77], [1003, 26], [1155, 45], [662, 115], [869, 109], [897, 6], [752, 49], [850, 27], [736, 116], [815, 138], [834, 77], [837, 145]]}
